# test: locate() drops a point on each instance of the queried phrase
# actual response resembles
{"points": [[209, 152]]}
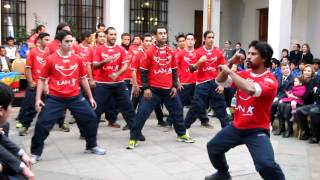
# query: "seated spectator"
{"points": [[285, 83], [316, 67], [288, 106], [275, 67], [295, 70], [309, 99], [307, 57], [239, 50], [23, 51], [14, 162], [295, 95], [295, 55], [227, 50], [285, 60], [11, 49], [284, 54], [5, 64]]}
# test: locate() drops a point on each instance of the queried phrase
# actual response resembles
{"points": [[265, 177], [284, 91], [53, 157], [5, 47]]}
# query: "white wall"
{"points": [[313, 26], [181, 16], [243, 24], [299, 21], [47, 12]]}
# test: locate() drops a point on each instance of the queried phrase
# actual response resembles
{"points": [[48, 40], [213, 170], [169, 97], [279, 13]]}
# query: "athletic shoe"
{"points": [[23, 131], [34, 158], [96, 150], [132, 144], [65, 127], [185, 138], [18, 124], [126, 127], [219, 176]]}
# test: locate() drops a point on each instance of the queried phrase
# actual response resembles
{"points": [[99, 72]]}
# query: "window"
{"points": [[81, 15], [13, 19], [147, 14]]}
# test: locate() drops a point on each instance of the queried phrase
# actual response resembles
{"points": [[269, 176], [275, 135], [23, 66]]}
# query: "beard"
{"points": [[252, 65]]}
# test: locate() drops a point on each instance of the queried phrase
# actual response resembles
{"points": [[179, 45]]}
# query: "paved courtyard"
{"points": [[160, 157]]}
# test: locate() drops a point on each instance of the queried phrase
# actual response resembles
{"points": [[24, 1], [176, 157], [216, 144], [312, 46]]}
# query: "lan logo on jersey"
{"points": [[66, 71]]}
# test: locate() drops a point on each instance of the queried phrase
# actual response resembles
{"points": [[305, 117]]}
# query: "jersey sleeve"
{"points": [[96, 58], [266, 87], [135, 62], [124, 56], [82, 69], [145, 61], [30, 59]]}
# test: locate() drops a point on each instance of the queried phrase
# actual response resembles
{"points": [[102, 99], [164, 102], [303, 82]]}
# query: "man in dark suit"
{"points": [[285, 82], [5, 65], [14, 162], [295, 55]]}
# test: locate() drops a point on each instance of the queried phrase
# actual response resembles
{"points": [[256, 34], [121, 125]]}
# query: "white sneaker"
{"points": [[96, 150], [34, 158]]}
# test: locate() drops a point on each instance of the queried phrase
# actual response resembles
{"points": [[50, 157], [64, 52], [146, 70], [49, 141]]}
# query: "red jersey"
{"points": [[36, 61], [159, 62], [127, 74], [104, 51], [85, 52], [208, 70], [254, 111], [135, 64], [32, 39], [184, 59], [64, 73]]}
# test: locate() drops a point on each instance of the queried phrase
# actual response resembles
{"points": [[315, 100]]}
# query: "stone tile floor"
{"points": [[160, 157]]}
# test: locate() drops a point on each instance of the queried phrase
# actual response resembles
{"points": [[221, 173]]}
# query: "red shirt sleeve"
{"points": [[82, 69], [145, 61], [124, 56], [97, 55], [266, 87]]}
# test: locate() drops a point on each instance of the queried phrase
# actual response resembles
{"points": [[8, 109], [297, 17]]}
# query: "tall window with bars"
{"points": [[81, 15], [145, 15], [13, 19]]}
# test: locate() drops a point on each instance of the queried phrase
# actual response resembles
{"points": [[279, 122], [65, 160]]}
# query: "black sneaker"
{"points": [[126, 127], [219, 176], [141, 137], [162, 123]]}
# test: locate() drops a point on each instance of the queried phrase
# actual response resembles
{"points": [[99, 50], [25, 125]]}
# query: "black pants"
{"points": [[258, 144]]}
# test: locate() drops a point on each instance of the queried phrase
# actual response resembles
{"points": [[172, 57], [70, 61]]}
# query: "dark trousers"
{"points": [[129, 86], [146, 107], [285, 114], [186, 96], [205, 92], [54, 109], [302, 113], [258, 144], [29, 110], [315, 121], [118, 91], [157, 110], [228, 95], [274, 110]]}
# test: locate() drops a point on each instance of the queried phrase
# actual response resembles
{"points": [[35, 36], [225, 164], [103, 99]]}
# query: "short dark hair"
{"points": [[109, 28], [10, 38], [61, 26], [180, 36], [62, 34], [125, 34], [239, 43], [159, 27], [2, 47], [97, 33], [275, 61], [39, 28], [264, 49], [6, 95], [285, 50], [84, 35], [298, 45], [189, 34], [205, 34], [145, 35], [42, 35], [100, 24]]}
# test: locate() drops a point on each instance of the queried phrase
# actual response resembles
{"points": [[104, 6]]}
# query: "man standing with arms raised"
{"points": [[256, 89]]}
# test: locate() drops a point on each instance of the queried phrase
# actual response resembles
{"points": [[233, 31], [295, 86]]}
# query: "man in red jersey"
{"points": [[159, 81], [209, 57], [111, 60], [125, 43], [181, 43], [256, 89], [32, 40], [185, 58], [35, 63], [55, 44], [65, 72]]}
